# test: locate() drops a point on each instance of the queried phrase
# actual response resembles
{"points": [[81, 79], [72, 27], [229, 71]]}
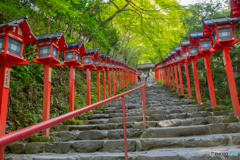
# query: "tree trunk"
{"points": [[123, 53], [119, 50], [130, 55]]}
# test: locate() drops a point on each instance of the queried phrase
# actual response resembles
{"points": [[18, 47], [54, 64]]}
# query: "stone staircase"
{"points": [[177, 129]]}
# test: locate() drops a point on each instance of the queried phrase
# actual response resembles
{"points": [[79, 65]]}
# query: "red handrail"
{"points": [[28, 131]]}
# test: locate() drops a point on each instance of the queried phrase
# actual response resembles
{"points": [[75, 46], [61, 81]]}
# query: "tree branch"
{"points": [[94, 7], [118, 11], [114, 4]]}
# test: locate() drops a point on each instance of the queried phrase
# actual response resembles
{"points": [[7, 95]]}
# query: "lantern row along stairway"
{"points": [[177, 129]]}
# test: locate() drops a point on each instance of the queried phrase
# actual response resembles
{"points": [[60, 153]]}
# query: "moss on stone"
{"points": [[208, 109], [218, 108], [180, 96], [173, 90], [203, 108], [231, 119], [55, 139], [34, 138], [45, 139], [80, 122], [70, 122]]}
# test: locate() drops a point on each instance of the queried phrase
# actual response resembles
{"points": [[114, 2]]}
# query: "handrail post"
{"points": [[124, 127], [143, 107]]}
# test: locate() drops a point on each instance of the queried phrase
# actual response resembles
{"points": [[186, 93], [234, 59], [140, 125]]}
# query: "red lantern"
{"points": [[221, 31], [72, 55], [178, 59], [72, 60], [48, 52], [13, 36], [88, 63]]}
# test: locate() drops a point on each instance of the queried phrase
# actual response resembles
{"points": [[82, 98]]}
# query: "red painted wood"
{"points": [[104, 84], [109, 84], [198, 93], [98, 86], [143, 108], [113, 78], [173, 78], [88, 86], [46, 97], [124, 128], [188, 80], [71, 89], [231, 81], [4, 92], [116, 80], [28, 131], [180, 77], [176, 77], [210, 81]]}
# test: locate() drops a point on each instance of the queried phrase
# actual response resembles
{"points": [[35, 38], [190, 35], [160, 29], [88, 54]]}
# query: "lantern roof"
{"points": [[177, 48], [210, 24], [184, 43], [108, 58], [49, 36], [26, 31], [221, 20], [14, 22], [102, 55], [92, 51], [112, 59], [78, 45], [172, 52], [54, 36], [75, 44], [196, 35]]}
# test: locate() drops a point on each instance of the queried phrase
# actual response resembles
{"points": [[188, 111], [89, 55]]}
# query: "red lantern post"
{"points": [[105, 67], [221, 31], [88, 63], [108, 61], [116, 69], [172, 57], [178, 58], [193, 55], [204, 45], [235, 8], [72, 60], [184, 60], [13, 36], [100, 64], [113, 74], [48, 53]]}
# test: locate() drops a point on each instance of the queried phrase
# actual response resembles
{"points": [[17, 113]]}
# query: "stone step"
{"points": [[191, 130], [152, 115], [116, 120], [96, 134], [139, 125], [142, 144], [203, 153]]}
